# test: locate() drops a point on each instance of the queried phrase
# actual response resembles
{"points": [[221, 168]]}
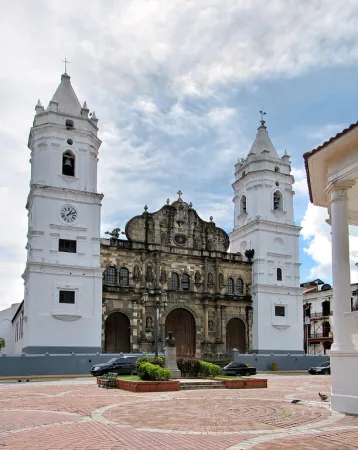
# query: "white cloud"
{"points": [[317, 233], [155, 72]]}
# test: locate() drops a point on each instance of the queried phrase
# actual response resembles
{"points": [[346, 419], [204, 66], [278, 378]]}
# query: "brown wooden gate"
{"points": [[182, 323], [235, 335], [117, 333]]}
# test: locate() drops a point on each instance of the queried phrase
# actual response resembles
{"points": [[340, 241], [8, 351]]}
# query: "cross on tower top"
{"points": [[66, 62], [179, 193]]}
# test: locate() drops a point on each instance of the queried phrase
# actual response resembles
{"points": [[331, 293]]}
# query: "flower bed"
{"points": [[148, 386]]}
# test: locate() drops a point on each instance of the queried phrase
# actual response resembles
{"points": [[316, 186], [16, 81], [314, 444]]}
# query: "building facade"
{"points": [[264, 221], [7, 330], [63, 278], [318, 315], [174, 274]]}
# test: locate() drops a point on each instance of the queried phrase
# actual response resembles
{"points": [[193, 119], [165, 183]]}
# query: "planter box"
{"points": [[148, 386], [254, 383]]}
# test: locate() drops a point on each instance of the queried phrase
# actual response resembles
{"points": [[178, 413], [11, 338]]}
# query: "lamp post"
{"points": [[158, 302], [144, 301]]}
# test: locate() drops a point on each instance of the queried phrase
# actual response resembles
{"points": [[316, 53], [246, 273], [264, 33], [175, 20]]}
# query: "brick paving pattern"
{"points": [[76, 414]]}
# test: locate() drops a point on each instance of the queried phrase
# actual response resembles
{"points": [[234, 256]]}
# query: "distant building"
{"points": [[6, 328], [317, 313]]}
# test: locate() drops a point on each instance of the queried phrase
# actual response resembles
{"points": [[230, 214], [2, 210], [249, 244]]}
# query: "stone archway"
{"points": [[117, 333], [235, 335], [182, 323]]}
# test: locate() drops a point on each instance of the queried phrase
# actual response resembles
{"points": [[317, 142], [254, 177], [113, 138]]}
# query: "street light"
{"points": [[157, 303]]}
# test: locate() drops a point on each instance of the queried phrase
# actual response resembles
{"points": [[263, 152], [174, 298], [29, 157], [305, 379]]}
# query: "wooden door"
{"points": [[235, 335], [182, 323], [117, 333]]}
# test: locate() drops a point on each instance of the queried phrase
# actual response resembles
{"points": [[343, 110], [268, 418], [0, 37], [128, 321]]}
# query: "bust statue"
{"points": [[169, 340]]}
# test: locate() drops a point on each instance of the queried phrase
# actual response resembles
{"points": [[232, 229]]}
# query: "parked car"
{"points": [[322, 369], [236, 368], [125, 365]]}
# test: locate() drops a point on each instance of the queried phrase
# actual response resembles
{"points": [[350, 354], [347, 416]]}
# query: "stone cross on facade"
{"points": [[262, 112], [179, 193]]}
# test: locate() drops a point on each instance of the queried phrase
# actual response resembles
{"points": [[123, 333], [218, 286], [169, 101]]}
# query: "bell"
{"points": [[67, 167], [68, 163]]}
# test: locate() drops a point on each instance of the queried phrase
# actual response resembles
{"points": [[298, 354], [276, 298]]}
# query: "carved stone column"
{"points": [[205, 287], [218, 323], [223, 327], [157, 268], [206, 321]]}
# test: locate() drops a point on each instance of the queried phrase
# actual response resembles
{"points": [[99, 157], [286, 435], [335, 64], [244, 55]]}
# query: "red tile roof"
{"points": [[320, 147]]}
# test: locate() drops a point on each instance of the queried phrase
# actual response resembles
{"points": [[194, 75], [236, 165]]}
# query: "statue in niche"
{"points": [[210, 244], [149, 324], [149, 275], [210, 278], [197, 277], [163, 238], [136, 273], [221, 280], [211, 325], [163, 275]]}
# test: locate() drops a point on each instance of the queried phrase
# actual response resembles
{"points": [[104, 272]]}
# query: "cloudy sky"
{"points": [[177, 86]]}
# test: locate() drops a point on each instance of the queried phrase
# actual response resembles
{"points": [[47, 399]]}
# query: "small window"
{"points": [[66, 245], [67, 297], [111, 275], [243, 174], [277, 201], [68, 164], [279, 311], [69, 141], [185, 282], [70, 123], [239, 287], [243, 205], [326, 308], [174, 281], [123, 276], [277, 169], [279, 274], [230, 286]]}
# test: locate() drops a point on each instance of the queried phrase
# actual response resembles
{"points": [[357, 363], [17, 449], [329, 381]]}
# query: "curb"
{"points": [[40, 377]]}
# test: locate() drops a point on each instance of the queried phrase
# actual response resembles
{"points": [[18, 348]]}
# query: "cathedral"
{"points": [[174, 271]]}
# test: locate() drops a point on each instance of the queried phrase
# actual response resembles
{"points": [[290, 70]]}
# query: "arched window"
{"points": [[243, 204], [68, 164], [111, 275], [277, 169], [123, 276], [70, 124], [239, 287], [230, 286], [277, 201], [185, 282], [174, 281], [279, 274]]}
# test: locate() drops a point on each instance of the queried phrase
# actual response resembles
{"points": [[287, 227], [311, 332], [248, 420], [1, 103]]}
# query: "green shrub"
{"points": [[189, 367], [159, 361], [208, 369], [152, 372]]}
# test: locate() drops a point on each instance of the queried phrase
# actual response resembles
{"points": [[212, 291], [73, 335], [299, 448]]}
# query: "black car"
{"points": [[322, 369], [236, 368], [125, 365]]}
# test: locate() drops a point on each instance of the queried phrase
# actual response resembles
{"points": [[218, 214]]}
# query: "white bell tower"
{"points": [[264, 222], [63, 278]]}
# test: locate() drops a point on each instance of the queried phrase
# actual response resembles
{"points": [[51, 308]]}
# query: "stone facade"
{"points": [[177, 265]]}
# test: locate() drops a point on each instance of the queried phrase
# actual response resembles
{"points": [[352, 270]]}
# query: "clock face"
{"points": [[68, 214]]}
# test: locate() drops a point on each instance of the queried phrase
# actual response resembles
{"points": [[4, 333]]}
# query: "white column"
{"points": [[340, 266]]}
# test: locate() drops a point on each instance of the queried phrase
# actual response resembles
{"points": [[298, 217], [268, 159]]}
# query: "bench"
{"points": [[109, 380]]}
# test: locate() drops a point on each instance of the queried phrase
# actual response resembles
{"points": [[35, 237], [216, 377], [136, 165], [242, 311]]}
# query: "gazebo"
{"points": [[332, 176]]}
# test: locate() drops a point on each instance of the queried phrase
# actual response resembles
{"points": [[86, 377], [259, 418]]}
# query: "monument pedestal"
{"points": [[171, 361]]}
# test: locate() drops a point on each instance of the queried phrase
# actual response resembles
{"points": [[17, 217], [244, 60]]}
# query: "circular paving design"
{"points": [[219, 415]]}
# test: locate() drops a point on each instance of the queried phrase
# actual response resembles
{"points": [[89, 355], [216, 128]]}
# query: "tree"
{"points": [[2, 343], [115, 233]]}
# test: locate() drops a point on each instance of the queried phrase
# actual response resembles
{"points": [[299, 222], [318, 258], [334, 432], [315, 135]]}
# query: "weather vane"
{"points": [[262, 112], [66, 62]]}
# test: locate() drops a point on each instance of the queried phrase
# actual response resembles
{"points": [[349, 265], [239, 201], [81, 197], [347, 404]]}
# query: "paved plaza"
{"points": [[76, 414]]}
